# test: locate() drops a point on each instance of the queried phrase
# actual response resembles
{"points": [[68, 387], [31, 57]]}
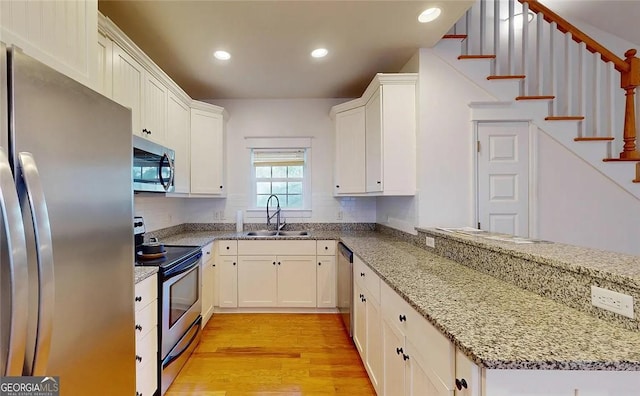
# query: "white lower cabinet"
{"points": [[226, 273], [326, 282], [146, 329], [208, 285]]}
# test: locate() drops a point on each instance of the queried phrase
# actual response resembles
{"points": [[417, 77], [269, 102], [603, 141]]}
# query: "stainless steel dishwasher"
{"points": [[345, 286]]}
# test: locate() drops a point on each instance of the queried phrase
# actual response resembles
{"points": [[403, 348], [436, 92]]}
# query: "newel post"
{"points": [[629, 80]]}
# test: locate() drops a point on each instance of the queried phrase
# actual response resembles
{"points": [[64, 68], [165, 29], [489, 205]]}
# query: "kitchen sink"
{"points": [[269, 233]]}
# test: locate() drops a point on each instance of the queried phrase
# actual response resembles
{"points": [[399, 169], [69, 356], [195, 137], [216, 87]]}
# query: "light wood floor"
{"points": [[273, 354]]}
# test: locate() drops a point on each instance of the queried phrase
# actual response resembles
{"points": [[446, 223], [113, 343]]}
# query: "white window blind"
{"points": [[278, 158]]}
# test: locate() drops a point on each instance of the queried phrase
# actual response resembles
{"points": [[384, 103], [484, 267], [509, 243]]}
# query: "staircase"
{"points": [[542, 69]]}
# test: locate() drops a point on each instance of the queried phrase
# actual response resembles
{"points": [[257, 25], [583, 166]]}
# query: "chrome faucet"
{"points": [[276, 214]]}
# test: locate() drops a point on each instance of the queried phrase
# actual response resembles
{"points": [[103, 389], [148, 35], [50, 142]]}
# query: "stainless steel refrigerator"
{"points": [[66, 278]]}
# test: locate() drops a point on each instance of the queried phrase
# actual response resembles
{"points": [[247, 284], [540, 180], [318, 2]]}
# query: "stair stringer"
{"points": [[564, 133]]}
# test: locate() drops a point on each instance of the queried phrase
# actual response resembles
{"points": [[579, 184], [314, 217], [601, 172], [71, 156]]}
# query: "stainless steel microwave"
{"points": [[153, 166]]}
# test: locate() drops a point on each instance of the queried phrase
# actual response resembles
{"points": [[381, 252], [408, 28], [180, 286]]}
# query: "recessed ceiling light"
{"points": [[319, 52], [429, 15], [222, 55]]}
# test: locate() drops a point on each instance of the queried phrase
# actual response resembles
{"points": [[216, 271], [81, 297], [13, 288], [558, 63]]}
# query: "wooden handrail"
{"points": [[578, 35]]}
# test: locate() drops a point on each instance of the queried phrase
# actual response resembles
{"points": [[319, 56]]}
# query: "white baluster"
{"points": [[525, 49], [467, 23], [595, 102], [610, 94], [483, 25], [582, 82], [496, 36], [552, 67], [539, 57], [567, 74], [511, 40]]}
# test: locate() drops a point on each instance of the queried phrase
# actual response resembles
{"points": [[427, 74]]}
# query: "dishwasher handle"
{"points": [[345, 252]]}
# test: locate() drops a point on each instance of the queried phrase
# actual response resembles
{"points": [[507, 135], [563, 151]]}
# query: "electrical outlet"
{"points": [[612, 301], [340, 215], [216, 215], [430, 241]]}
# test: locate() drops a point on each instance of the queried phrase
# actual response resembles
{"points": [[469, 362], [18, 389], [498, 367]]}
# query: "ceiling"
{"points": [[270, 41]]}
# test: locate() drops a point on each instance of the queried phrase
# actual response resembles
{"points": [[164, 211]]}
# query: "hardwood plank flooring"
{"points": [[273, 354]]}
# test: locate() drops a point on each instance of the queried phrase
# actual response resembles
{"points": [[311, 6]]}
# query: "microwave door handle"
{"points": [[165, 157], [16, 266], [44, 254], [172, 172]]}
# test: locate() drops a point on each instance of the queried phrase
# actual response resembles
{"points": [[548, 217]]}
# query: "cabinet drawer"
{"points": [[145, 292], [326, 248], [271, 247], [436, 349], [147, 379], [366, 277], [207, 252], [228, 248], [146, 349], [146, 319]]}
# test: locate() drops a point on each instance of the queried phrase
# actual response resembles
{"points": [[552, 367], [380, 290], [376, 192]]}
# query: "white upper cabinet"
{"points": [[207, 151], [128, 76], [349, 174], [61, 34], [376, 139], [178, 137], [104, 76], [154, 109]]}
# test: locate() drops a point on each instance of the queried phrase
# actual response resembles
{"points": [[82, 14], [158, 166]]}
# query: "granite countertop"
{"points": [[201, 238], [616, 267], [496, 324], [142, 273]]}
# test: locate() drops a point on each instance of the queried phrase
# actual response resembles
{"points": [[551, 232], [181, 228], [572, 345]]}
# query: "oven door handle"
{"points": [[190, 336], [182, 268]]}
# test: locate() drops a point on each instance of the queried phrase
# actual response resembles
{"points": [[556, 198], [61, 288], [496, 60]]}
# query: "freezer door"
{"points": [[81, 142]]}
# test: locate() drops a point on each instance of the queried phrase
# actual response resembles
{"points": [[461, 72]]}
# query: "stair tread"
{"points": [[476, 57], [593, 139], [454, 36], [514, 77], [564, 118], [536, 97], [621, 159]]}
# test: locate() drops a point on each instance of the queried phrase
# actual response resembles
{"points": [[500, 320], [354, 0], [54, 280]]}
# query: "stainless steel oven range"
{"points": [[179, 304]]}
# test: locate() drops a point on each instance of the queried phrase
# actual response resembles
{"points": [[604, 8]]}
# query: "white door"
{"points": [[503, 177]]}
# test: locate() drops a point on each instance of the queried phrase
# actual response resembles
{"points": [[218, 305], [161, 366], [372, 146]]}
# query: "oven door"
{"points": [[181, 304]]}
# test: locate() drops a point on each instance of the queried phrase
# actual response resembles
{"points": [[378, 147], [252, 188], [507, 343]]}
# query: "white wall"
{"points": [[280, 118], [578, 205], [159, 211], [444, 151]]}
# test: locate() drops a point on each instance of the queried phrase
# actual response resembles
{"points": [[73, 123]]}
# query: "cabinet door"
{"points": [[359, 320], [296, 281], [207, 291], [350, 164], [127, 86], [420, 380], [468, 376], [326, 281], [374, 342], [154, 111], [257, 281], [207, 153], [373, 120], [393, 360], [104, 76], [178, 122], [228, 282]]}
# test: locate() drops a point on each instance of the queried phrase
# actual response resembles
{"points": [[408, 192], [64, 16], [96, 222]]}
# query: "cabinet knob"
{"points": [[362, 274], [326, 248], [208, 253], [138, 298], [337, 186], [319, 263], [138, 394], [274, 263], [405, 357], [278, 263], [220, 187], [364, 299], [379, 182], [399, 350], [402, 318], [139, 358], [228, 247], [361, 296], [461, 383], [234, 263], [138, 327]]}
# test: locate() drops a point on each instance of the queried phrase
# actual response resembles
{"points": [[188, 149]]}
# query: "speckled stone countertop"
{"points": [[496, 324], [142, 273], [616, 267], [202, 238]]}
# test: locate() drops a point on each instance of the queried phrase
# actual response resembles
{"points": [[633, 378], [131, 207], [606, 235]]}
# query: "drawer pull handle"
{"points": [[461, 384], [362, 274], [139, 358], [399, 351], [138, 298], [402, 318], [405, 357], [138, 327]]}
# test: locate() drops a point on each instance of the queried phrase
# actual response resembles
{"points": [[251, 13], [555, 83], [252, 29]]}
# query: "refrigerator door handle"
{"points": [[44, 252], [17, 269]]}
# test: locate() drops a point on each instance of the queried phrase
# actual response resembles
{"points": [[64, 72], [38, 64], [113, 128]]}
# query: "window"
{"points": [[279, 172]]}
